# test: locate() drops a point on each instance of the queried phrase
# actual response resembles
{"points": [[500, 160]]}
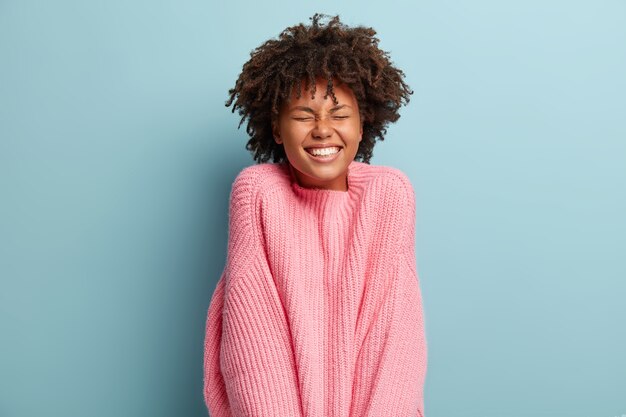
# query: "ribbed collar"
{"points": [[325, 198]]}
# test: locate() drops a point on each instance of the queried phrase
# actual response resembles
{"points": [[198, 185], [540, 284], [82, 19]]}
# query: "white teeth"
{"points": [[323, 151]]}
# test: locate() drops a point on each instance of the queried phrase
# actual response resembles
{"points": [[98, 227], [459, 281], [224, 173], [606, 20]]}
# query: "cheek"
{"points": [[294, 132], [350, 131]]}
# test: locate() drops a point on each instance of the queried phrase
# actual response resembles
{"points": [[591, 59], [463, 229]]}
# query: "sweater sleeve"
{"points": [[243, 247], [392, 363], [215, 396]]}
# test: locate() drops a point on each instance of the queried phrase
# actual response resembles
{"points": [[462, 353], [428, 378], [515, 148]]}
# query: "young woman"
{"points": [[318, 310]]}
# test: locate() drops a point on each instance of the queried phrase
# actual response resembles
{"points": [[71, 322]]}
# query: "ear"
{"points": [[276, 133], [361, 133]]}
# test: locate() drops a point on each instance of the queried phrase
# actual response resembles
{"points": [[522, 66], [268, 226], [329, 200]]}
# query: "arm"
{"points": [[243, 245], [391, 367], [215, 396]]}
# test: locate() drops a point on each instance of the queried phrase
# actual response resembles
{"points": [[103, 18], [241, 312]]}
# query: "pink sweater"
{"points": [[318, 311]]}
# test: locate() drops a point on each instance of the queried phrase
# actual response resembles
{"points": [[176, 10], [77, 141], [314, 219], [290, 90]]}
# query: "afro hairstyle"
{"points": [[304, 53]]}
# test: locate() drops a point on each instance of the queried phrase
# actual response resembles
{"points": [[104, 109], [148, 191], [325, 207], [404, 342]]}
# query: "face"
{"points": [[306, 127]]}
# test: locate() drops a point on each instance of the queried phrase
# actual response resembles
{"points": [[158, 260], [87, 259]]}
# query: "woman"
{"points": [[318, 311]]}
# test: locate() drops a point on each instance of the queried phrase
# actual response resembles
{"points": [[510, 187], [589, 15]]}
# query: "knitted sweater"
{"points": [[318, 310]]}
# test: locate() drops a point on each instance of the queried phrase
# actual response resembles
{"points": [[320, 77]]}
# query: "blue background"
{"points": [[117, 155]]}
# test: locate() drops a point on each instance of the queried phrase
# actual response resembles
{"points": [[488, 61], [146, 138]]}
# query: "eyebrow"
{"points": [[310, 110]]}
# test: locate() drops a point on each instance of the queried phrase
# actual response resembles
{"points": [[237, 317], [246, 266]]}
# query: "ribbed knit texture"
{"points": [[318, 311]]}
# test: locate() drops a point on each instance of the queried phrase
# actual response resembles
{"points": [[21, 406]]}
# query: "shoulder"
{"points": [[245, 235], [252, 176], [250, 186], [246, 189], [390, 181], [394, 196], [255, 177], [400, 187], [252, 180], [399, 181]]}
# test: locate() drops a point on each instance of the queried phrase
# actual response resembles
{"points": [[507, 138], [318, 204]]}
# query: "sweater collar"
{"points": [[325, 197], [305, 190]]}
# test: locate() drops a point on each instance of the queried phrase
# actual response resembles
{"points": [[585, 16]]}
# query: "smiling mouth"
{"points": [[331, 150]]}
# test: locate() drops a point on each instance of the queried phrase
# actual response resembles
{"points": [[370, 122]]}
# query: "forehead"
{"points": [[343, 92]]}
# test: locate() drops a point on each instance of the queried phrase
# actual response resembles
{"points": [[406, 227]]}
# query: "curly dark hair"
{"points": [[332, 51]]}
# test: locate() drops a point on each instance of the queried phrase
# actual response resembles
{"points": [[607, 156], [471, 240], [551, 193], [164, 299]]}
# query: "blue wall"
{"points": [[117, 155]]}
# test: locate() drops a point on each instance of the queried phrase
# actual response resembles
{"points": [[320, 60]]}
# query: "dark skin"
{"points": [[306, 122], [332, 52]]}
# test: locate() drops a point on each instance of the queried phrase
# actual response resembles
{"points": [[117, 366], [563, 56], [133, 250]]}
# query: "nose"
{"points": [[322, 129]]}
